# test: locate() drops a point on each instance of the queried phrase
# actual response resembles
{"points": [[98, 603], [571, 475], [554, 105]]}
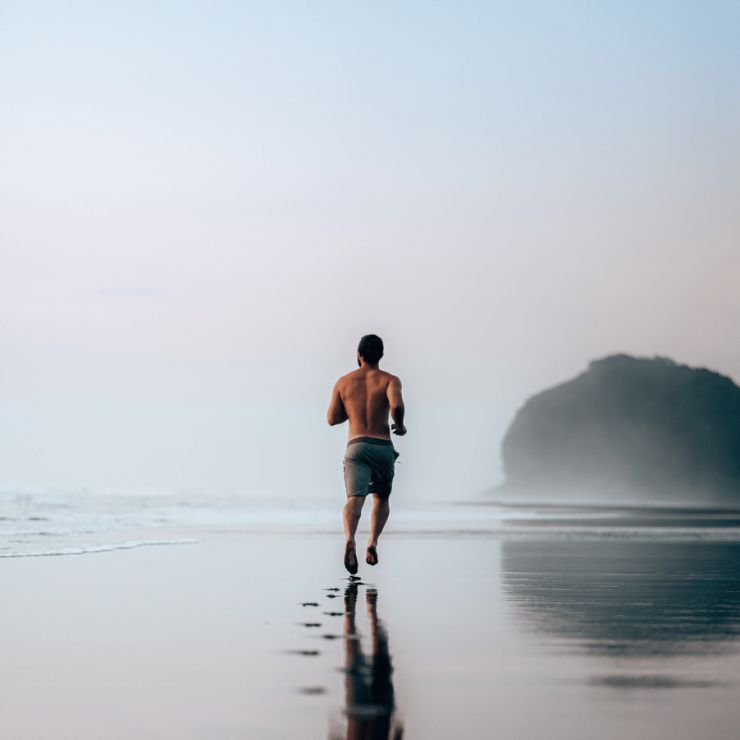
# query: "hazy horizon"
{"points": [[205, 207]]}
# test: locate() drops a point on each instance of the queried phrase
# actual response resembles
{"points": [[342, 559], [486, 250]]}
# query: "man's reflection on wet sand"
{"points": [[369, 698]]}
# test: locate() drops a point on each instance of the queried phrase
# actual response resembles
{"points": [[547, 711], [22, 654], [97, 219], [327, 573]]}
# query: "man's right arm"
{"points": [[395, 401], [336, 413]]}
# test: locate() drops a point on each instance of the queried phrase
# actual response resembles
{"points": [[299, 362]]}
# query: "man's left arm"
{"points": [[336, 413]]}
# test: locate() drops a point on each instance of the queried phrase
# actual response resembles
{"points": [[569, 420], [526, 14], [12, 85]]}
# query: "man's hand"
{"points": [[398, 429]]}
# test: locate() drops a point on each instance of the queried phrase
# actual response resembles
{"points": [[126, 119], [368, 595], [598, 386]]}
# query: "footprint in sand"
{"points": [[312, 690], [310, 603], [310, 624], [307, 653], [334, 614], [334, 588]]}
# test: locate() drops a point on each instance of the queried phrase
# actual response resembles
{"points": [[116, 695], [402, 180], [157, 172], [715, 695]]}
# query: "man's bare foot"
{"points": [[350, 558], [371, 558]]}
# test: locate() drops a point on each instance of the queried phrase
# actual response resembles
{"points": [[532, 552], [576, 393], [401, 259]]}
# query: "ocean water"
{"points": [[75, 523]]}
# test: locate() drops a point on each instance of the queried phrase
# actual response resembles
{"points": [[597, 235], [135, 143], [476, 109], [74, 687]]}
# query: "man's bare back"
{"points": [[366, 397]]}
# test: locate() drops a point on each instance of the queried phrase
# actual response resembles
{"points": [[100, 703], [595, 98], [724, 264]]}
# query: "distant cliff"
{"points": [[629, 428]]}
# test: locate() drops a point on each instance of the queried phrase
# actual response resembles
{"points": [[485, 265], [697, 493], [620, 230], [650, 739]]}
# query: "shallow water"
{"points": [[480, 621]]}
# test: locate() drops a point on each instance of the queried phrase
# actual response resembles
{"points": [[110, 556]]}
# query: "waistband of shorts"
{"points": [[371, 441]]}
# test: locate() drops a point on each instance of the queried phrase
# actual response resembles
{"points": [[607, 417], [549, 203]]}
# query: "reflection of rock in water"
{"points": [[628, 598], [370, 702]]}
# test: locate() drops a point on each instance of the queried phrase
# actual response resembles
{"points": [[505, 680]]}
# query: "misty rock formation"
{"points": [[629, 428]]}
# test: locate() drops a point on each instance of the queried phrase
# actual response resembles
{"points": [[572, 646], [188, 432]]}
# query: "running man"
{"points": [[365, 397]]}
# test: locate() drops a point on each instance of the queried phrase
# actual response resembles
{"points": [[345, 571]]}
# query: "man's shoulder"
{"points": [[350, 376], [360, 375], [387, 379]]}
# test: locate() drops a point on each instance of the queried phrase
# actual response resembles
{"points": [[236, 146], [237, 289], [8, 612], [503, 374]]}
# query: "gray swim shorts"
{"points": [[369, 465]]}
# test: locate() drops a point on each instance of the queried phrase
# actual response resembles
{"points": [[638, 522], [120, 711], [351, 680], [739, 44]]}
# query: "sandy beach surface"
{"points": [[475, 624]]}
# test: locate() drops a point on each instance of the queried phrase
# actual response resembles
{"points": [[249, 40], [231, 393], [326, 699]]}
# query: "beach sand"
{"points": [[454, 634]]}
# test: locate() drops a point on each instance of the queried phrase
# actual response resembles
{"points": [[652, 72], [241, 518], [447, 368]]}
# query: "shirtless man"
{"points": [[366, 397]]}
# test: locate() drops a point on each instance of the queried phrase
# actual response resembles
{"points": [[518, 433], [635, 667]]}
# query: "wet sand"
{"points": [[264, 636]]}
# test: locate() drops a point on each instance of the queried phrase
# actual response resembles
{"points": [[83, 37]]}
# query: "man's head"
{"points": [[370, 349]]}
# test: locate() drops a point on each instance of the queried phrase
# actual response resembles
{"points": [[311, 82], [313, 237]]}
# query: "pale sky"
{"points": [[203, 206]]}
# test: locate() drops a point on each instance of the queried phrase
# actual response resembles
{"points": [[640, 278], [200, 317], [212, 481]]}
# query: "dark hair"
{"points": [[371, 348]]}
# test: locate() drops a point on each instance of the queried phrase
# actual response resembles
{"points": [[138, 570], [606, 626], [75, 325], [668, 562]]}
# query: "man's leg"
{"points": [[352, 510], [381, 510]]}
